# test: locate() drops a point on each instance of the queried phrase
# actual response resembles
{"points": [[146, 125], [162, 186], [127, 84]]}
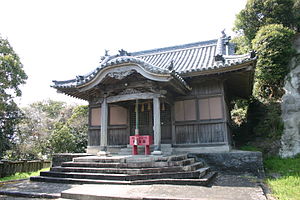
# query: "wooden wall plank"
{"points": [[95, 116], [94, 137], [190, 110], [215, 106], [118, 136], [117, 115], [200, 133]]}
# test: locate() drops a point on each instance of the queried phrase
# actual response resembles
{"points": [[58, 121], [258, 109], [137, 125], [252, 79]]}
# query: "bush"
{"points": [[273, 44], [262, 128], [271, 124]]}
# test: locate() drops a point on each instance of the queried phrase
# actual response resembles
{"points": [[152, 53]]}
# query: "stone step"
{"points": [[196, 182], [131, 158], [209, 177], [100, 159], [127, 177], [91, 164], [166, 149], [191, 167], [177, 157], [205, 181], [206, 178], [130, 164], [117, 170], [175, 169], [76, 181]]}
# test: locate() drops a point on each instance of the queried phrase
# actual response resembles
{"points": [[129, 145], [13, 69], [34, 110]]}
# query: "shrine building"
{"points": [[179, 95]]}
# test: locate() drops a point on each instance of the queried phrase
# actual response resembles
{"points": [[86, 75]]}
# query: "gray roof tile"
{"points": [[188, 58]]}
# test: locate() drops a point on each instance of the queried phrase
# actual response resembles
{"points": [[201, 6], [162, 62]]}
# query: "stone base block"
{"points": [[156, 153], [202, 149], [103, 154], [93, 150]]}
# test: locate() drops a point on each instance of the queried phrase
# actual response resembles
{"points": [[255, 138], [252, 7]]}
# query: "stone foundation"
{"points": [[203, 149], [234, 162]]}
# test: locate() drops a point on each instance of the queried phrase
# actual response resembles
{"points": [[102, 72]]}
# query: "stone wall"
{"points": [[241, 162], [290, 141]]}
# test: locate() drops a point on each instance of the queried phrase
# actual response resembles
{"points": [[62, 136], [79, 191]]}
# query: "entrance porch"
{"points": [[123, 116]]}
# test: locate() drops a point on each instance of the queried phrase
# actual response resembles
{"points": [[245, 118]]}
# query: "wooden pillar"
{"points": [[104, 122], [136, 132], [156, 127], [173, 123]]}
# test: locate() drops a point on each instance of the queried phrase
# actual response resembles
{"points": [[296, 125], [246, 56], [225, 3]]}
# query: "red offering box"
{"points": [[141, 140]]}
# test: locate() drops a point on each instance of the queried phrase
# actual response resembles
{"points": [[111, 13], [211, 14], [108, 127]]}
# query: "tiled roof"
{"points": [[184, 57], [181, 60], [80, 80], [193, 57]]}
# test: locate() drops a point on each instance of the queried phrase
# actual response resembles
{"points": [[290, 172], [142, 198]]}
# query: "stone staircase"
{"points": [[135, 170]]}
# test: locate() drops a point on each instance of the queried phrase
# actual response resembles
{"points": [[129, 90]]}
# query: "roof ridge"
{"points": [[170, 48], [175, 50]]}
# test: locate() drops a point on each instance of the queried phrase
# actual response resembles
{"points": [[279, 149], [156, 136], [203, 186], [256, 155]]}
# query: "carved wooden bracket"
{"points": [[120, 74]]}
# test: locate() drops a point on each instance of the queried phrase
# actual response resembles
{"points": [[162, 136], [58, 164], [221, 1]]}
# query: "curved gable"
{"points": [[121, 71]]}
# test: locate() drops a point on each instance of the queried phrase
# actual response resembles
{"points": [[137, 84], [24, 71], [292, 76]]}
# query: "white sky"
{"points": [[59, 39]]}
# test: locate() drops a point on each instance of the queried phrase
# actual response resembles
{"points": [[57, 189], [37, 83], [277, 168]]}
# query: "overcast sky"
{"points": [[59, 39]]}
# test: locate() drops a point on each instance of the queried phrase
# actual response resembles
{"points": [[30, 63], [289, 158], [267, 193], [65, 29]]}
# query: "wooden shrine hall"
{"points": [[179, 95]]}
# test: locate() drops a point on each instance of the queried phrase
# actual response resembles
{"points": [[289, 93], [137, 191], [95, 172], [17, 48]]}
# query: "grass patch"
{"points": [[23, 175], [250, 148], [287, 186]]}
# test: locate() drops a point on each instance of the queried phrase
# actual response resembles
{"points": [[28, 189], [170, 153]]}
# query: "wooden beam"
{"points": [[128, 84], [128, 97]]}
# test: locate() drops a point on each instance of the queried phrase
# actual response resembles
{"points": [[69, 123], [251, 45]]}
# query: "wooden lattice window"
{"points": [[185, 110], [95, 116], [210, 108]]}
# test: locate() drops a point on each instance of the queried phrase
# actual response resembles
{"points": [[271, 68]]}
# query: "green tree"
{"points": [[243, 45], [50, 127], [12, 76], [72, 133], [258, 13], [78, 122], [268, 27], [62, 140], [273, 44]]}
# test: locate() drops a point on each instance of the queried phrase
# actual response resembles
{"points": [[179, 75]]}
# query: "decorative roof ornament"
{"points": [[122, 52], [252, 54], [223, 33], [105, 54], [79, 78], [219, 58], [219, 48], [171, 65]]}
